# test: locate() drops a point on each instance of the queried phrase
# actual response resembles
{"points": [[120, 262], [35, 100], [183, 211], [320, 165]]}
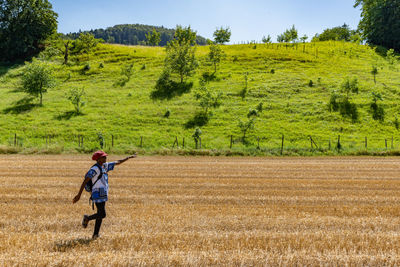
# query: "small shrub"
{"points": [[143, 67], [310, 83], [121, 82], [252, 113], [259, 107], [350, 86], [127, 71], [101, 65], [86, 67], [272, 71], [243, 93], [68, 77], [208, 77], [167, 114], [246, 127], [235, 58]]}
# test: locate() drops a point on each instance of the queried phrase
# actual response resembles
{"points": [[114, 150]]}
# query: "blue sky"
{"points": [[247, 19]]}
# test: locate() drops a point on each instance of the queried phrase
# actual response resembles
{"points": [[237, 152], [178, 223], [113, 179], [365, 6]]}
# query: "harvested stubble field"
{"points": [[204, 211]]}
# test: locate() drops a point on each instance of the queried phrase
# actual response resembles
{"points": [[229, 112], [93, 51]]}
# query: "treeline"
{"points": [[340, 33], [133, 34]]}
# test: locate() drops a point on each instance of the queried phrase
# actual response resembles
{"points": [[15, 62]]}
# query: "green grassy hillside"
{"points": [[278, 76]]}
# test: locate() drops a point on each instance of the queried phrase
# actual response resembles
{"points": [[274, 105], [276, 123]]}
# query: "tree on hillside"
{"points": [[280, 38], [391, 57], [76, 95], [85, 43], [24, 26], [184, 35], [246, 126], [181, 61], [290, 35], [153, 38], [380, 22], [222, 35], [37, 79], [67, 46], [304, 38], [208, 99], [374, 72], [340, 33], [180, 57], [267, 40], [215, 56], [62, 44]]}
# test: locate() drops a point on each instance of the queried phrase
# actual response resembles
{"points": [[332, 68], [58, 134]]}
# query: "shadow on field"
{"points": [[5, 68], [64, 245], [21, 106], [67, 115]]}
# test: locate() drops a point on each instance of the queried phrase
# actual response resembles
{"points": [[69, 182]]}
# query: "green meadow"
{"points": [[278, 76]]}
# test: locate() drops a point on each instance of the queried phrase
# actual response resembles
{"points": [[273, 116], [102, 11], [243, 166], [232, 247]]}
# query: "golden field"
{"points": [[203, 211]]}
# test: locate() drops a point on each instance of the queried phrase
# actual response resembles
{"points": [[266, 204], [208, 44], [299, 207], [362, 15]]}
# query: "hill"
{"points": [[133, 34], [278, 76]]}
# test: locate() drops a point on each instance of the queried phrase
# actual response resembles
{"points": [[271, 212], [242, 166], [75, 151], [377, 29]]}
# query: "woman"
{"points": [[98, 174]]}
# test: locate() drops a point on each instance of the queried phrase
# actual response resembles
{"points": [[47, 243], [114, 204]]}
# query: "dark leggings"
{"points": [[99, 216]]}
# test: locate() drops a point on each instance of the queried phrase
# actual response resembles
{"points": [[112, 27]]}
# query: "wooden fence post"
{"points": [[183, 142], [112, 140], [329, 144], [392, 143], [258, 142], [15, 139], [231, 142], [141, 142], [386, 143], [366, 143], [283, 139]]}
